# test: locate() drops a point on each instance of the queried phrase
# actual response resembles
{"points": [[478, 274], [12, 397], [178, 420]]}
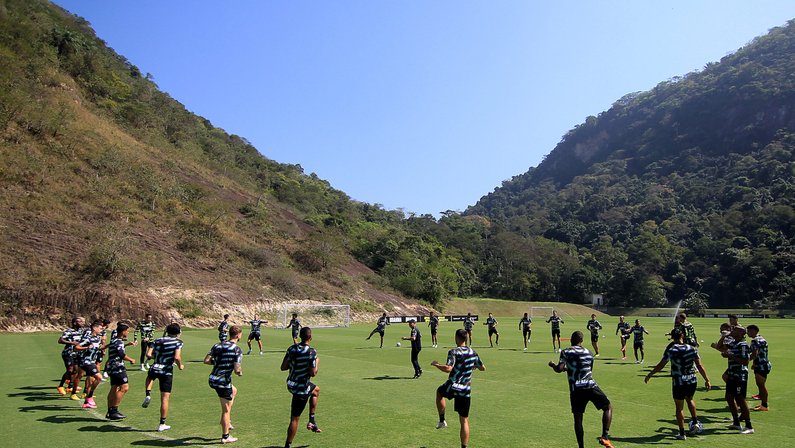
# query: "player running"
{"points": [[556, 321], [623, 329], [164, 353], [461, 361], [433, 322], [687, 329], [226, 357], [578, 362], [468, 324], [295, 327], [302, 362], [684, 360], [88, 350], [739, 354], [492, 323], [223, 329], [637, 344], [594, 326], [762, 365], [69, 339], [117, 372], [380, 326], [416, 346], [147, 329], [525, 325], [255, 333]]}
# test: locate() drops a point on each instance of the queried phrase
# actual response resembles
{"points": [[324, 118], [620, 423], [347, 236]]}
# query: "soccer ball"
{"points": [[397, 344], [696, 427]]}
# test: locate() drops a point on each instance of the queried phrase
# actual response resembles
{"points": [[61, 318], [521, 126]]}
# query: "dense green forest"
{"points": [[684, 192]]}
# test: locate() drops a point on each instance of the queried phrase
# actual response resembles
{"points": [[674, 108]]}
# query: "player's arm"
{"points": [[443, 367], [315, 366], [618, 327], [237, 367], [178, 359], [743, 360], [644, 330], [408, 338], [208, 359], [285, 362], [703, 373], [656, 369], [559, 367]]}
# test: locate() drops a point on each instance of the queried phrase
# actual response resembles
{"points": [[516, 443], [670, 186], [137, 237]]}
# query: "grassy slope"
{"points": [[367, 400], [500, 307]]}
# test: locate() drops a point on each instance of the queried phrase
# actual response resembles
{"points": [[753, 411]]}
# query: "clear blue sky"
{"points": [[421, 105]]}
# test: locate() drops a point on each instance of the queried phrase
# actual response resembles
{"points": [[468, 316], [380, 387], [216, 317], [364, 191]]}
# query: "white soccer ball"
{"points": [[397, 344]]}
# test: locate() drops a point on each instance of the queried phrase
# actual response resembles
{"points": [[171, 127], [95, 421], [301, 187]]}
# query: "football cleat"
{"points": [[747, 431], [605, 442], [681, 437], [761, 408], [163, 427], [61, 390], [229, 439], [145, 404], [441, 425]]}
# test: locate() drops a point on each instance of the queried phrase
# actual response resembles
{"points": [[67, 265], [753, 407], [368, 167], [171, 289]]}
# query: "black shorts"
{"points": [[381, 332], [224, 393], [637, 344], [299, 402], [461, 404], [90, 369], [736, 388], [580, 397], [256, 336], [295, 334], [68, 360], [165, 381], [556, 332], [526, 332], [100, 357], [594, 337], [433, 331], [493, 331], [684, 391], [118, 379]]}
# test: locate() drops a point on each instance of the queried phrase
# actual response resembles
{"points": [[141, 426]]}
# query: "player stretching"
{"points": [[116, 370], [147, 330], [622, 329], [255, 333], [89, 348], [492, 323], [295, 327], [433, 322], [594, 326], [684, 362], [416, 346], [578, 362], [70, 337], [164, 352], [302, 362], [223, 329], [461, 361], [556, 321], [687, 329], [383, 321], [762, 365], [738, 354], [525, 325], [226, 357], [468, 324], [637, 343]]}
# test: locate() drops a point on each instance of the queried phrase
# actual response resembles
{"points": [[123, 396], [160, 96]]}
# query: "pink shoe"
{"points": [[88, 405]]}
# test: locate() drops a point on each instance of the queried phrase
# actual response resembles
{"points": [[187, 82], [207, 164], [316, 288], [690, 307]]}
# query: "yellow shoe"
{"points": [[75, 397], [61, 390]]}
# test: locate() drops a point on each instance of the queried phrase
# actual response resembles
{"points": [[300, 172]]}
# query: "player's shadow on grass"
{"points": [[281, 446], [388, 377], [177, 442], [46, 407], [656, 439], [35, 396], [37, 387], [60, 419], [108, 428]]}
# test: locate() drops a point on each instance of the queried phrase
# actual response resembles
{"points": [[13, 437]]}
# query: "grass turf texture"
{"points": [[368, 399]]}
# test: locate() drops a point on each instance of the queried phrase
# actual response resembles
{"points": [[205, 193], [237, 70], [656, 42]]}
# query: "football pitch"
{"points": [[368, 398]]}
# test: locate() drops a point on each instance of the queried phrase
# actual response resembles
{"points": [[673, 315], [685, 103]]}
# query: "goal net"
{"points": [[317, 316], [540, 312]]}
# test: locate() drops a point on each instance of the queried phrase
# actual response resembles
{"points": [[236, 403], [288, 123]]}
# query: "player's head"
{"points": [[593, 316], [412, 323], [148, 316], [725, 327], [554, 313], [469, 314], [490, 315], [226, 316], [122, 329], [173, 329], [235, 332], [637, 322], [295, 315], [576, 338], [96, 327], [733, 320], [738, 332], [753, 330], [677, 335], [105, 323], [682, 317], [431, 313], [256, 316], [305, 334], [77, 322], [525, 314], [383, 315], [460, 336], [621, 318]]}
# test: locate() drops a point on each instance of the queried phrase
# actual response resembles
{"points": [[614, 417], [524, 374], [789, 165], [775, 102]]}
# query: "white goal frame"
{"points": [[317, 316], [534, 314]]}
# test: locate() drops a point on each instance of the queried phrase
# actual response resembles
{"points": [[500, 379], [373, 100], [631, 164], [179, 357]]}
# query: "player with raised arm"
{"points": [[223, 329], [461, 361], [525, 325], [492, 323], [302, 362], [738, 354], [623, 330], [255, 332], [226, 357], [762, 365], [69, 339], [164, 353], [380, 327], [637, 344], [295, 327], [117, 372], [416, 346], [88, 349], [147, 330], [468, 324], [433, 322], [555, 320], [593, 326], [684, 360], [687, 329], [577, 361]]}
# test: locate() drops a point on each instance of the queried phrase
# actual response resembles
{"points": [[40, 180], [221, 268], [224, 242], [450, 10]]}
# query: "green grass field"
{"points": [[369, 400]]}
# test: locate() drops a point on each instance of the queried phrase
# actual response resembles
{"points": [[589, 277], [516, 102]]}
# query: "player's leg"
{"points": [[642, 354], [250, 337], [761, 383], [745, 411], [680, 417], [313, 398], [382, 340], [144, 346], [635, 349], [259, 342], [464, 433], [165, 398], [440, 405], [607, 419], [148, 390], [296, 409], [226, 416], [497, 337], [578, 430], [368, 337], [733, 408]]}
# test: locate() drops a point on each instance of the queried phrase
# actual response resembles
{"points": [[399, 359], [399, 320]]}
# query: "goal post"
{"points": [[541, 312], [317, 316]]}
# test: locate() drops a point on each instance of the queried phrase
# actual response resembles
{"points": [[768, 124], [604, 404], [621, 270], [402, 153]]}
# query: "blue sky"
{"points": [[420, 105]]}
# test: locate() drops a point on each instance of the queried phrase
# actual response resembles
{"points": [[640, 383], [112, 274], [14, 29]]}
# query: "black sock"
{"points": [[311, 418], [64, 377], [148, 393], [764, 404], [736, 420], [225, 436], [288, 445], [90, 394], [605, 435], [162, 421], [748, 423], [681, 431], [441, 417]]}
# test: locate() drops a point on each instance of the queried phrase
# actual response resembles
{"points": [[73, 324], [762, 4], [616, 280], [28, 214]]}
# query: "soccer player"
{"points": [[416, 346], [468, 324], [637, 344], [103, 345], [525, 325], [172, 321], [556, 321], [762, 365], [684, 360], [117, 372], [738, 354], [164, 353], [492, 323], [687, 329], [433, 322], [461, 361], [624, 330], [302, 362], [69, 339], [88, 349], [380, 326], [226, 357], [295, 326], [223, 329], [594, 326], [255, 332], [578, 362], [147, 329]]}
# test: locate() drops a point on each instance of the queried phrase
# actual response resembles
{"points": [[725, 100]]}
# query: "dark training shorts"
{"points": [[737, 388], [580, 398], [683, 392], [433, 331], [295, 334], [90, 369], [118, 379], [493, 331], [68, 360], [556, 333], [594, 338], [224, 393], [460, 404], [254, 336], [299, 402], [165, 381], [637, 344]]}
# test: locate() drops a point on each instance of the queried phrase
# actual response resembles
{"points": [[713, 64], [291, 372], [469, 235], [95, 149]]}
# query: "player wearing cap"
{"points": [[164, 353], [416, 346], [302, 362], [380, 327], [226, 357]]}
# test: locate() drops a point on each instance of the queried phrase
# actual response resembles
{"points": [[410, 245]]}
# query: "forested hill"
{"points": [[683, 191]]}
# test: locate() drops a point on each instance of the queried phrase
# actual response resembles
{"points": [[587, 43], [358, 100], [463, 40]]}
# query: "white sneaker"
{"points": [[104, 374], [145, 404], [637, 362], [747, 431], [229, 439], [163, 427], [680, 437], [260, 353], [525, 349], [142, 368], [442, 424]]}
